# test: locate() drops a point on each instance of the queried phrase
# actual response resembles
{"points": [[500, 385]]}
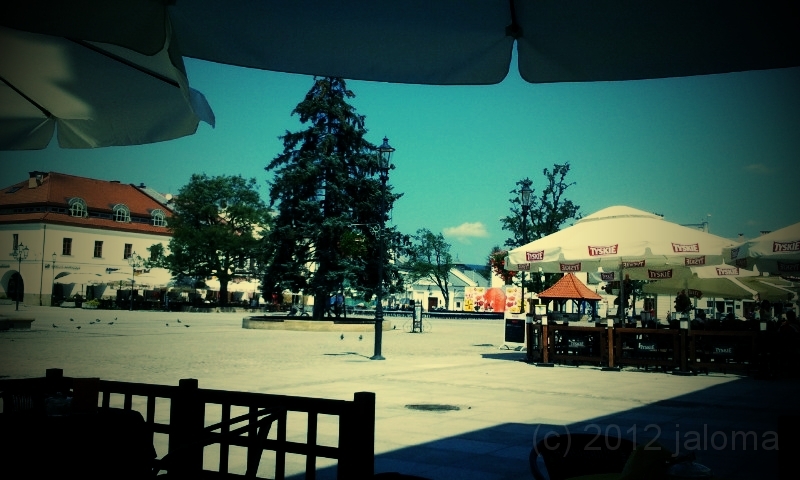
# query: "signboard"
{"points": [[515, 330]]}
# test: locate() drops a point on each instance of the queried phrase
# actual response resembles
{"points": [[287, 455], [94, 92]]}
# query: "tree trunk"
{"points": [[223, 292]]}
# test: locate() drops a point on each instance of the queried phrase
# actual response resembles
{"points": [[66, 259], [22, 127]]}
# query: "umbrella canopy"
{"points": [[619, 237], [80, 279], [720, 281], [92, 94], [776, 252], [444, 41], [234, 286]]}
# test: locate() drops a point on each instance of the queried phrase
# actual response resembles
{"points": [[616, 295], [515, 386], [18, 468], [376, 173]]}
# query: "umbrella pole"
{"points": [[621, 314]]}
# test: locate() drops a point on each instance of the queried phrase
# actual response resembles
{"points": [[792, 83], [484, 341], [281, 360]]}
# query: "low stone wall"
{"points": [[308, 325], [15, 323]]}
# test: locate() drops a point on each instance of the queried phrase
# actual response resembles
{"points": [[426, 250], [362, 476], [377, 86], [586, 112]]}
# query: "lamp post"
{"points": [[20, 253], [384, 163], [135, 261], [525, 202], [53, 283]]}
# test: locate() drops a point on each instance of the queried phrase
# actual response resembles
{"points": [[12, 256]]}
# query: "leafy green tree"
{"points": [[329, 200], [429, 257], [548, 212], [218, 229]]}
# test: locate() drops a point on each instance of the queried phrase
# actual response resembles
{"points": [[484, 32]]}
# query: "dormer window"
{"points": [[77, 207], [122, 213], [159, 218]]}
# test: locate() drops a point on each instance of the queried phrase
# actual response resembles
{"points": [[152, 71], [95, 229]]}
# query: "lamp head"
{"points": [[385, 156]]}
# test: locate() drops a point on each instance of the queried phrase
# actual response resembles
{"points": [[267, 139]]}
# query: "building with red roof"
{"points": [[52, 224]]}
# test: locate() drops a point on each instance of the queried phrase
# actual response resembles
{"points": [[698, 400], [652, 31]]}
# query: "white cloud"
{"points": [[466, 230], [759, 169]]}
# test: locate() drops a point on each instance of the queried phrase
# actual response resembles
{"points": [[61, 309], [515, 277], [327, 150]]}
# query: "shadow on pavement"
{"points": [[731, 428]]}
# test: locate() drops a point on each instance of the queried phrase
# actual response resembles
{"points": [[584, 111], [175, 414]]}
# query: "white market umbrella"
{"points": [[79, 278], [462, 42], [617, 238], [776, 252], [716, 281], [234, 286], [92, 94]]}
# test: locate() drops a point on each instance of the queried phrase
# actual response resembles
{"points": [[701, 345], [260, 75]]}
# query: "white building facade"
{"points": [[53, 224]]}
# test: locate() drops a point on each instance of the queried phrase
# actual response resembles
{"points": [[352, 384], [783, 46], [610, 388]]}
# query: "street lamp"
{"points": [[525, 201], [53, 285], [384, 163], [20, 253], [135, 261]]}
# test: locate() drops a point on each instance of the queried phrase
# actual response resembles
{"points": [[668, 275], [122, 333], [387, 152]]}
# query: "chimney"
{"points": [[35, 178]]}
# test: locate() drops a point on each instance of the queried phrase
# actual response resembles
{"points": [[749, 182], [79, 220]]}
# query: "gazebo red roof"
{"points": [[569, 287]]}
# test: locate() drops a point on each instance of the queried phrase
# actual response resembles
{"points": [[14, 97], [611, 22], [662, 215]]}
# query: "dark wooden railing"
{"points": [[574, 344], [188, 434], [647, 347], [684, 350]]}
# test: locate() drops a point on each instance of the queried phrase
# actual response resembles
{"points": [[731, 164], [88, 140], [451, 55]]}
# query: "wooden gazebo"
{"points": [[569, 287]]}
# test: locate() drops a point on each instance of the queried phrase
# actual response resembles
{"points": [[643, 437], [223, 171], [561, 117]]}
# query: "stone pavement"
{"points": [[479, 407]]}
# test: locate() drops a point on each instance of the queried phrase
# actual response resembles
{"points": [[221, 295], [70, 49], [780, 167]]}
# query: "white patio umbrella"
{"points": [[81, 278], [716, 281], [443, 41], [619, 237], [776, 252], [92, 94]]}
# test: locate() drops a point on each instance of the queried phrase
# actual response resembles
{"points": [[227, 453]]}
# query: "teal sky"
{"points": [[723, 145]]}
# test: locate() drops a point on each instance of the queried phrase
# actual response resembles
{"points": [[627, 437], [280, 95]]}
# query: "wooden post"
{"points": [[186, 421], [545, 342], [357, 438], [610, 332], [529, 333]]}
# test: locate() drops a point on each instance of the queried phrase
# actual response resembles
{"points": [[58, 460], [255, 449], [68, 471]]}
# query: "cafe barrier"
{"points": [[763, 351], [189, 436]]}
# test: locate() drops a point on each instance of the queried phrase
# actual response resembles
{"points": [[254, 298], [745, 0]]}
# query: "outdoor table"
{"points": [[108, 443]]}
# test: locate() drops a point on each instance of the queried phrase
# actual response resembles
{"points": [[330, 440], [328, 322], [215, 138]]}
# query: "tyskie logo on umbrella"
{"points": [[686, 247], [659, 274], [722, 271], [600, 251], [534, 256], [607, 276], [780, 247], [694, 261], [633, 264], [788, 267], [524, 267], [570, 267]]}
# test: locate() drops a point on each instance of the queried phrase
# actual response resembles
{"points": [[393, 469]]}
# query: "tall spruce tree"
{"points": [[328, 199]]}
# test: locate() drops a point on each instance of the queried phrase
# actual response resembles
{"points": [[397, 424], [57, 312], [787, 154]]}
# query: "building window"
{"points": [[159, 218], [66, 246], [77, 207], [122, 213], [98, 249], [15, 244], [128, 249]]}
